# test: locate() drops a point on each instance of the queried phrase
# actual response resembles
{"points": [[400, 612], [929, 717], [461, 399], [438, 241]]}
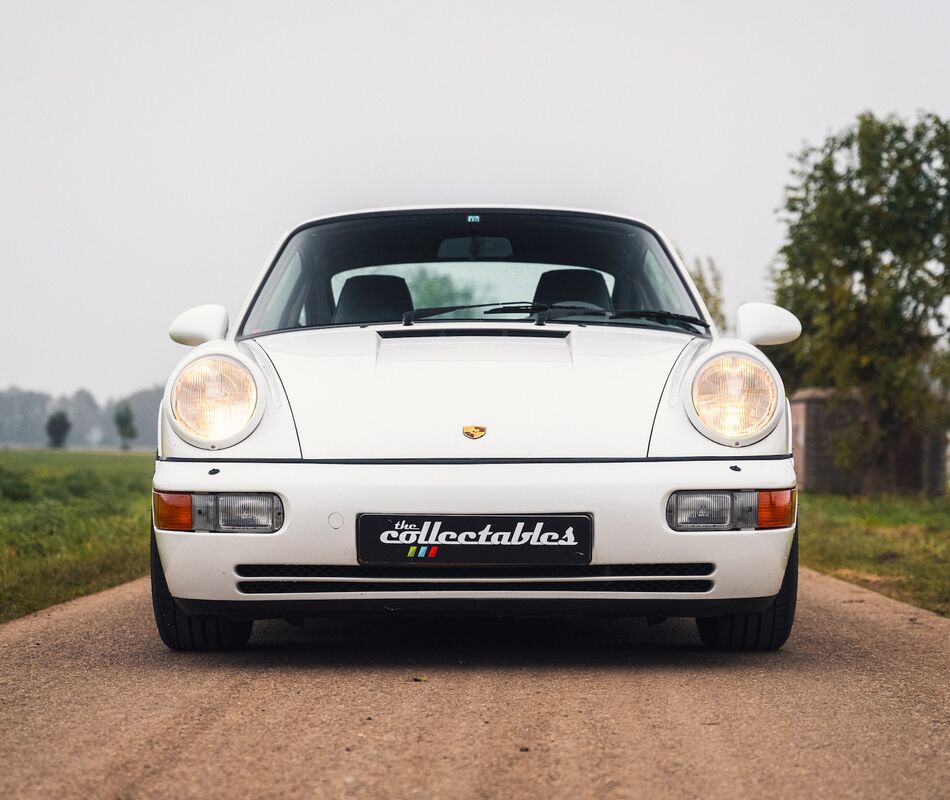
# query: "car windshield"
{"points": [[417, 266]]}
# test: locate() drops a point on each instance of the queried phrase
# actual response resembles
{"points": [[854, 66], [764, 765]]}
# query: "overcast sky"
{"points": [[152, 153]]}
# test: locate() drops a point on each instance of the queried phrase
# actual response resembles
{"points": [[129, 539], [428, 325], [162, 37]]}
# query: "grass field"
{"points": [[896, 545], [72, 523]]}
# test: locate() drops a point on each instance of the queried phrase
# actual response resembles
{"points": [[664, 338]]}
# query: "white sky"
{"points": [[152, 153]]}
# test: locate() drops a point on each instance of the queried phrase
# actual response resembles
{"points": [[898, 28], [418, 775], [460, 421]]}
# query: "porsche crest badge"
{"points": [[474, 431]]}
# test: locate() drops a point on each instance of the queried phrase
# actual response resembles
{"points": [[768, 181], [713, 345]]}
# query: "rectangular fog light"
{"points": [[700, 511], [224, 513], [249, 513], [731, 510]]}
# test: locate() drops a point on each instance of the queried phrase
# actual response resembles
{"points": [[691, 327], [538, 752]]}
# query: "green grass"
{"points": [[896, 545], [71, 523]]}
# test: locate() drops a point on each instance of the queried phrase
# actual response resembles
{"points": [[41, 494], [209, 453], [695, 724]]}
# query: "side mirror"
{"points": [[199, 325], [763, 323]]}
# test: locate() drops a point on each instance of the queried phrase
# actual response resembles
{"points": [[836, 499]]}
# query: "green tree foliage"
{"points": [[708, 280], [125, 424], [433, 289], [865, 269], [57, 428]]}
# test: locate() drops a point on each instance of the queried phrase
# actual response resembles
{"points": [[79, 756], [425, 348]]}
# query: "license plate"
{"points": [[424, 539]]}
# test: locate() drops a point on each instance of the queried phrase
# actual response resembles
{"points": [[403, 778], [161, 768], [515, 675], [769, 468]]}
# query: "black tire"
{"points": [[762, 630], [191, 632]]}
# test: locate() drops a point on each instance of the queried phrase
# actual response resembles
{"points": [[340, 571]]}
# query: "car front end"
{"points": [[591, 451]]}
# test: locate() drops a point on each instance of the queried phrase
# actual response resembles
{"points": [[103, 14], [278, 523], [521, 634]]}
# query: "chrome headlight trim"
{"points": [[728, 440], [237, 436]]}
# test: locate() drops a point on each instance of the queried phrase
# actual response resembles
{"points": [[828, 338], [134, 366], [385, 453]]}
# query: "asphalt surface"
{"points": [[856, 705]]}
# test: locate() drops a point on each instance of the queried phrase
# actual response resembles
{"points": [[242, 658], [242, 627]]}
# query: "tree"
{"points": [[85, 415], [708, 280], [125, 424], [434, 289], [865, 269], [57, 428]]}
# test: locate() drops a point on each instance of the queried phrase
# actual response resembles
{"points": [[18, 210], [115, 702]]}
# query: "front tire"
{"points": [[191, 632], [762, 630]]}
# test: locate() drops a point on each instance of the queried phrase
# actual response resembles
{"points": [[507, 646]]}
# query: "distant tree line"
{"points": [[37, 419]]}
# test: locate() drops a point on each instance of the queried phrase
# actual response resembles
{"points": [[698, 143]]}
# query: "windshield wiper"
{"points": [[511, 307], [628, 313], [625, 313], [433, 311], [552, 311]]}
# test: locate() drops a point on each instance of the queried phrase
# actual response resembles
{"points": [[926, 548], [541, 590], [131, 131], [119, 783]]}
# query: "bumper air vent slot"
{"points": [[426, 572], [395, 587]]}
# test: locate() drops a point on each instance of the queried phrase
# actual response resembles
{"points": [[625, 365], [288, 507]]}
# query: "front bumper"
{"points": [[627, 501]]}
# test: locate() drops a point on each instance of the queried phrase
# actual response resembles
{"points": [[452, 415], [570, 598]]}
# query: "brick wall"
{"points": [[815, 421], [922, 464]]}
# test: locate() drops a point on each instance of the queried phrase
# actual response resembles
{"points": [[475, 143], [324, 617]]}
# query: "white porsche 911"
{"points": [[475, 410]]}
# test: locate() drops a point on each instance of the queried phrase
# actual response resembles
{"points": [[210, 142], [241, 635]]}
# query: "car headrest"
{"points": [[373, 298], [573, 286]]}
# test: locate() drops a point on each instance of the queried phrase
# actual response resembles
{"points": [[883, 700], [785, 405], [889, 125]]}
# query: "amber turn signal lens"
{"points": [[172, 511], [777, 508]]}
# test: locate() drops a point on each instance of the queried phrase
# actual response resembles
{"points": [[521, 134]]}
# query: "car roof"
{"points": [[479, 206]]}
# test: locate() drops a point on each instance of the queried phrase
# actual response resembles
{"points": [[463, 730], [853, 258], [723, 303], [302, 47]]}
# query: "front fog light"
{"points": [[711, 511], [248, 512], [733, 510], [700, 511], [218, 513]]}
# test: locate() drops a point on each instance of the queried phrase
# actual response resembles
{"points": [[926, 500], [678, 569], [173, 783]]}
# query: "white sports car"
{"points": [[475, 410]]}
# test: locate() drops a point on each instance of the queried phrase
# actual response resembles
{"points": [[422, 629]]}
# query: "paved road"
{"points": [[856, 705]]}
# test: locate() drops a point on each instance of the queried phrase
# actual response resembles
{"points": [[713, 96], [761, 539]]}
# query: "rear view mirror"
{"points": [[199, 325], [764, 323]]}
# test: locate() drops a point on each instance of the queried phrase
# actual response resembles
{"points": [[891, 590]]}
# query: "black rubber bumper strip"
{"points": [[442, 461]]}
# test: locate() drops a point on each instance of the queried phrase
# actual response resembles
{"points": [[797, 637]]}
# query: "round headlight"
{"points": [[734, 398], [214, 400]]}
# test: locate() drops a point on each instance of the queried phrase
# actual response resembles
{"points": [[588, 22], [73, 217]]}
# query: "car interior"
{"points": [[385, 298]]}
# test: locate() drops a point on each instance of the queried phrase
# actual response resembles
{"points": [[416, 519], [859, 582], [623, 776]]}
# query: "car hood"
{"points": [[398, 392]]}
